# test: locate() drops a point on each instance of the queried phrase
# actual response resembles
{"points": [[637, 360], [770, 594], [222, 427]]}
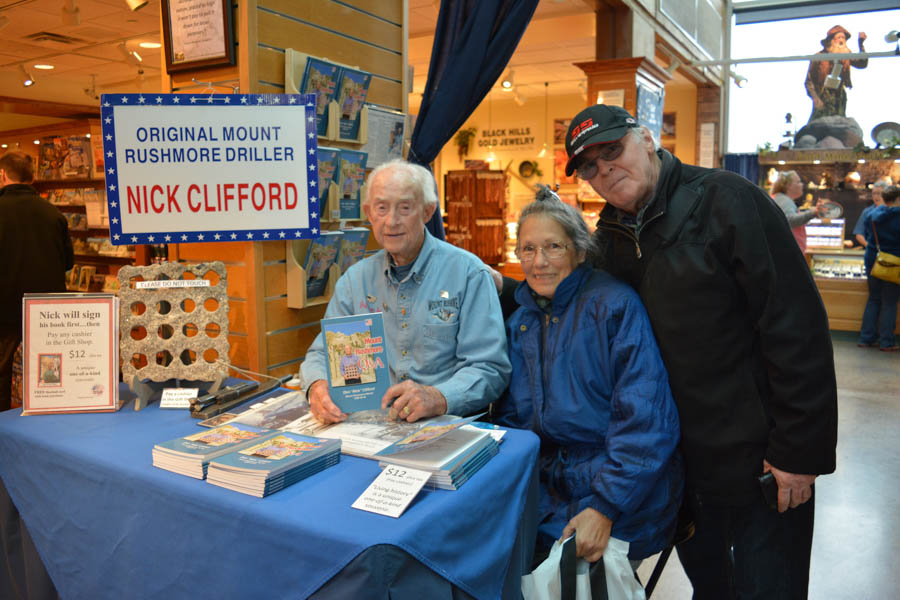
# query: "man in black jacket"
{"points": [[744, 336], [36, 251]]}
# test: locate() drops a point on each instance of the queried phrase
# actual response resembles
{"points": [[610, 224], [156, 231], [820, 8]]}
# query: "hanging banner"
{"points": [[210, 167]]}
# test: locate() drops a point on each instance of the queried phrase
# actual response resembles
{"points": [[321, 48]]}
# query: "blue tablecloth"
{"points": [[109, 525]]}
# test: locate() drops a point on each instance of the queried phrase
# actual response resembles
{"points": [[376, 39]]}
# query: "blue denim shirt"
{"points": [[442, 323]]}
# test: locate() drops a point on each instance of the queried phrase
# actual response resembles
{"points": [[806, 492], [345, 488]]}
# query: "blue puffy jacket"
{"points": [[589, 380]]}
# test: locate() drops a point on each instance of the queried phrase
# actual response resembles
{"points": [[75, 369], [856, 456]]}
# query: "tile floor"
{"points": [[856, 545]]}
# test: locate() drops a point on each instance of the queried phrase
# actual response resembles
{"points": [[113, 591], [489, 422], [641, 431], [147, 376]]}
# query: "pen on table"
{"points": [[225, 394]]}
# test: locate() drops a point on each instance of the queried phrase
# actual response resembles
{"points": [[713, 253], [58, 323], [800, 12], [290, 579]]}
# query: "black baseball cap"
{"points": [[597, 124]]}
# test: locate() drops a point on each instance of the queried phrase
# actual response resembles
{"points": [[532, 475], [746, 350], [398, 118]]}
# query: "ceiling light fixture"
{"points": [[71, 14], [150, 45], [507, 84], [44, 67], [27, 79], [518, 99], [543, 151], [739, 80], [130, 56], [673, 66], [136, 4]]}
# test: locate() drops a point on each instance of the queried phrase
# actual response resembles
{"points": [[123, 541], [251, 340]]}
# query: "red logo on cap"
{"points": [[581, 127]]}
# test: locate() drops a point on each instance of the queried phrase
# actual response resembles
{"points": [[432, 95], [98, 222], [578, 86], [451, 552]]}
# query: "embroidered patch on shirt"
{"points": [[445, 308]]}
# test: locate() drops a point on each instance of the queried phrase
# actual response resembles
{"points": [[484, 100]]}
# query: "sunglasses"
{"points": [[607, 153]]}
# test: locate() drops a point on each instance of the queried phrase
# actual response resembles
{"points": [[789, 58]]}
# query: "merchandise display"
{"points": [[174, 323], [190, 455], [323, 252], [273, 464]]}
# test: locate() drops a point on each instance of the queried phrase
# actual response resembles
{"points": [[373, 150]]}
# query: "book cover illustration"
{"points": [[426, 435], [52, 156], [77, 162], [353, 87], [328, 164], [77, 221], [190, 455], [358, 375], [353, 247], [350, 177], [320, 78], [322, 253]]}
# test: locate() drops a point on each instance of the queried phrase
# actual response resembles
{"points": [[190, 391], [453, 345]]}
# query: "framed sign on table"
{"points": [[197, 35], [70, 353]]}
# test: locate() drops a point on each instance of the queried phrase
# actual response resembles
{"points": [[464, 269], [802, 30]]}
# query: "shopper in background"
{"points": [[744, 336], [786, 191], [880, 315], [442, 321], [36, 251], [859, 231], [588, 379]]}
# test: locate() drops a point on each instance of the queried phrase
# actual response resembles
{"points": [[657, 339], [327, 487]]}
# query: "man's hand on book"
{"points": [[320, 404], [411, 401]]}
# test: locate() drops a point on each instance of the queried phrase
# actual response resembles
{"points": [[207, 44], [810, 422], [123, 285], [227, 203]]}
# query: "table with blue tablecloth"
{"points": [[108, 524]]}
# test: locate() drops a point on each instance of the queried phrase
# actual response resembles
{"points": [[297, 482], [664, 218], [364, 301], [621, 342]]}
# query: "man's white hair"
{"points": [[416, 175]]}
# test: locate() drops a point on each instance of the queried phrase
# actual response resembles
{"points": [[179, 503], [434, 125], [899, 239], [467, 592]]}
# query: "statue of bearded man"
{"points": [[830, 99]]}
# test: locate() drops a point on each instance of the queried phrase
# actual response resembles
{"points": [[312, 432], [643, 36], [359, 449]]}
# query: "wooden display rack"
{"points": [[295, 255]]}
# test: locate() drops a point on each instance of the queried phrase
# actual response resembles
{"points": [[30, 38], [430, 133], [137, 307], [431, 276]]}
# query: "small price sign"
{"points": [[392, 491]]}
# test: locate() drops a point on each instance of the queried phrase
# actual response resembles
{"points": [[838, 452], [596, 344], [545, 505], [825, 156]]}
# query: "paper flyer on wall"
{"points": [[358, 375], [385, 139], [71, 353]]}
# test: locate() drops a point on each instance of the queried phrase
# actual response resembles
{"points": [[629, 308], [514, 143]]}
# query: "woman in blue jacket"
{"points": [[588, 379], [880, 315]]}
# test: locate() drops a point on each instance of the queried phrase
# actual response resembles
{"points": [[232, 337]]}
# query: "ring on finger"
{"points": [[406, 410]]}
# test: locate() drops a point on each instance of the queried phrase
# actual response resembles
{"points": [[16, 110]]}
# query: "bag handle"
{"points": [[567, 575], [875, 231]]}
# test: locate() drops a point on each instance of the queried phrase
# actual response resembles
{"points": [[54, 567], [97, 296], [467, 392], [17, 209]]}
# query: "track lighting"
{"points": [[739, 80], [507, 84], [136, 4], [27, 79]]}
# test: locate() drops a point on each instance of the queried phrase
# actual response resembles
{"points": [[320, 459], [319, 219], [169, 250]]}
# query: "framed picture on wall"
{"points": [[668, 124], [197, 35], [560, 127]]}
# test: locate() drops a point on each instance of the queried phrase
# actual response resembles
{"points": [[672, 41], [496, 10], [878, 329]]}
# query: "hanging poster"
{"points": [[210, 167]]}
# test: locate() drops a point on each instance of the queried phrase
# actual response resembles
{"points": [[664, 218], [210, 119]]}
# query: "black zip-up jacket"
{"points": [[35, 248], [740, 324]]}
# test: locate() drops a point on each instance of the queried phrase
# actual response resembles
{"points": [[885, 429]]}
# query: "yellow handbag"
{"points": [[887, 265]]}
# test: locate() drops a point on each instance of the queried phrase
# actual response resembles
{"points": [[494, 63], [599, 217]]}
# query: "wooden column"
{"points": [[611, 75]]}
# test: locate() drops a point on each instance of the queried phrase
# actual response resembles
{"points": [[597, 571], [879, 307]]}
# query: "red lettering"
{"points": [[262, 192], [134, 199], [274, 196], [242, 192], [170, 197], [290, 187], [193, 188], [153, 191], [228, 193]]}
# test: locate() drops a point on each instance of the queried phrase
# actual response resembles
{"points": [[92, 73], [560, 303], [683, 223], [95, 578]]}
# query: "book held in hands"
{"points": [[357, 361]]}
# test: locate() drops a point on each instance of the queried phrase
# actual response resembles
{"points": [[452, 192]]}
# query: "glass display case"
{"points": [[845, 265]]}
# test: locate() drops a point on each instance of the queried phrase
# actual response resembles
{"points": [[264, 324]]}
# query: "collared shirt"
{"points": [[860, 228], [442, 323]]}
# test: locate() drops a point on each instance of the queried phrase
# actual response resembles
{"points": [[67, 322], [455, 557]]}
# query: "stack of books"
{"points": [[273, 464], [452, 459], [190, 455]]}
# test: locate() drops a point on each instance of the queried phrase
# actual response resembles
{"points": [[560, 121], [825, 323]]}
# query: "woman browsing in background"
{"points": [[589, 380], [880, 315], [786, 191]]}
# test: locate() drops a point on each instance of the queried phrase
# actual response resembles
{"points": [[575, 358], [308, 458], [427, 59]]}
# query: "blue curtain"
{"points": [[473, 42], [744, 164]]}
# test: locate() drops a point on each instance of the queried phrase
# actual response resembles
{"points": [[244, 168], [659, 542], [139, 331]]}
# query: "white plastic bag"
{"points": [[544, 582]]}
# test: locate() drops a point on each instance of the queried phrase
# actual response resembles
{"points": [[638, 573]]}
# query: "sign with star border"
{"points": [[184, 168]]}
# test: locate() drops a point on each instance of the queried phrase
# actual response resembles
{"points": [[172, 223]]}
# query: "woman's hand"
{"points": [[592, 529]]}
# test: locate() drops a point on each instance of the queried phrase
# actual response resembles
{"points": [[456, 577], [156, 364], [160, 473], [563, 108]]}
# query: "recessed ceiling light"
{"points": [[44, 67], [3, 146], [37, 142], [150, 45]]}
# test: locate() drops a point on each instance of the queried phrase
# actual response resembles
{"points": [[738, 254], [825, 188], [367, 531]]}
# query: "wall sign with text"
{"points": [[210, 167]]}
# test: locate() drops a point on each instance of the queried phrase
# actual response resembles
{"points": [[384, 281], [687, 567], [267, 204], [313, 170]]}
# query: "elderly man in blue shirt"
{"points": [[442, 320]]}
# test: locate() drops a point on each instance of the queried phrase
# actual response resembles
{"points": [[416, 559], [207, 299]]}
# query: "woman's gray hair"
{"points": [[416, 175], [548, 204]]}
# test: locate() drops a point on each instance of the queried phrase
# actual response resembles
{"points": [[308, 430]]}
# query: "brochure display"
{"points": [[190, 455], [70, 353], [386, 132], [353, 247], [352, 88], [322, 254], [358, 373], [350, 174]]}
